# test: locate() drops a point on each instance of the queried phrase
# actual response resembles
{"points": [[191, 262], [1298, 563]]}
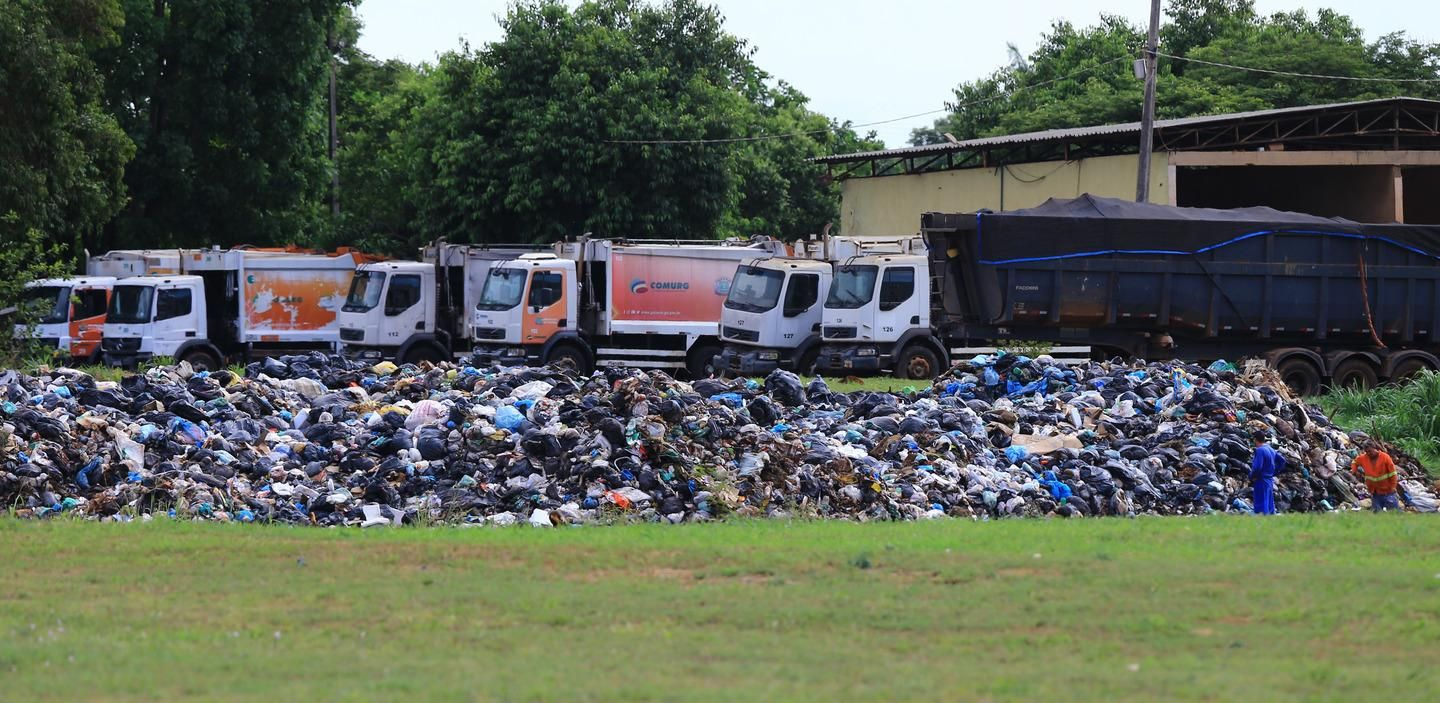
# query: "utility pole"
{"points": [[334, 132], [1147, 116]]}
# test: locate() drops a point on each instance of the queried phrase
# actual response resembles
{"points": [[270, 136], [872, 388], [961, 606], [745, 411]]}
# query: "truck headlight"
{"points": [[865, 351], [769, 355], [515, 351]]}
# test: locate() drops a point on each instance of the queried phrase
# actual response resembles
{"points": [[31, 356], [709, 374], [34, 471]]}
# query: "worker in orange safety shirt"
{"points": [[1378, 470]]}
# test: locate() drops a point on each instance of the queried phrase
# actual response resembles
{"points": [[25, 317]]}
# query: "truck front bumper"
{"points": [[371, 354], [850, 359], [123, 352], [747, 361], [506, 356]]}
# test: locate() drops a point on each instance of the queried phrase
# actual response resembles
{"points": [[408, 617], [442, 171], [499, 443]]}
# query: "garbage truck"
{"points": [[771, 316], [70, 314], [414, 311], [227, 305], [598, 302], [1323, 301]]}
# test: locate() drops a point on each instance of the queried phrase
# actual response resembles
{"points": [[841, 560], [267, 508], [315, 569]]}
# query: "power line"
{"points": [[1299, 75], [949, 108]]}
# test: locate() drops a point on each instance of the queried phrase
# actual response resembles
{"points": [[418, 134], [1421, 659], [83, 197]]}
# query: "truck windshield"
{"points": [[89, 302], [754, 289], [853, 287], [49, 304], [503, 289], [130, 304], [365, 289]]}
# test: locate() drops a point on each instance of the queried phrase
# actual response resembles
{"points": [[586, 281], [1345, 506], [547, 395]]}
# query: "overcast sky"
{"points": [[860, 60]]}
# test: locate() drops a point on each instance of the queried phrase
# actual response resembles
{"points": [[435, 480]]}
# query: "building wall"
{"points": [[1360, 193], [892, 205]]}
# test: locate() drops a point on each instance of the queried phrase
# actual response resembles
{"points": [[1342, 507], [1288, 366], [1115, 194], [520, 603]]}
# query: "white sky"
{"points": [[860, 60]]}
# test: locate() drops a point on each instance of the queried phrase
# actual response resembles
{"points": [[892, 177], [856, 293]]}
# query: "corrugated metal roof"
{"points": [[1075, 133]]}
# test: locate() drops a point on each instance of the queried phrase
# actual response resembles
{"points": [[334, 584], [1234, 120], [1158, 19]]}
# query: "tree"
{"points": [[1083, 77], [61, 155], [587, 120], [224, 101]]}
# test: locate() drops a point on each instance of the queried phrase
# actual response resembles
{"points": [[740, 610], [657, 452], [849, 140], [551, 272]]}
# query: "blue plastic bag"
{"points": [[1015, 453], [508, 418]]}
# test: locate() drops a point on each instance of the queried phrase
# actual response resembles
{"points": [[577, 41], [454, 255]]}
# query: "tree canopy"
{"points": [[1083, 76]]}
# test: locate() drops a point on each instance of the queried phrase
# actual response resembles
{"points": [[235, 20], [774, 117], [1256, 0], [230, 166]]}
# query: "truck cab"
{"points": [[877, 318], [152, 316], [71, 314], [528, 314], [387, 312], [772, 316]]}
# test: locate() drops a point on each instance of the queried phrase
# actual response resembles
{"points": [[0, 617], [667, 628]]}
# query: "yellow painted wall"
{"points": [[892, 205]]}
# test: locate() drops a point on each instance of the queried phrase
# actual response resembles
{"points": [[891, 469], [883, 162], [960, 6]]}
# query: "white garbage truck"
{"points": [[229, 305], [772, 315], [414, 311], [598, 302]]}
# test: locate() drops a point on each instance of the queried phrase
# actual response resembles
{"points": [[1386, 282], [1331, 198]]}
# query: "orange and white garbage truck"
{"points": [[611, 302], [220, 306]]}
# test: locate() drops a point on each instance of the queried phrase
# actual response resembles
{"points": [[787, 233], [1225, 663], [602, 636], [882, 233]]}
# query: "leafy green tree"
{"points": [[545, 133], [1079, 77], [61, 154], [224, 101]]}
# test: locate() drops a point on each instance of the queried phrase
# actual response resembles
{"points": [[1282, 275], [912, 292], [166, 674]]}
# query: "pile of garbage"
{"points": [[319, 439]]}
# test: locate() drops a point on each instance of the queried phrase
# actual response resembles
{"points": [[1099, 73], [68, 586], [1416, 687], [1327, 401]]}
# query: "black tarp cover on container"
{"points": [[1094, 226]]}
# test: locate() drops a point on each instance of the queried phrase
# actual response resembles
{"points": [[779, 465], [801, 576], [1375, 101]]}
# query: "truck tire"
{"points": [[1408, 369], [701, 361], [917, 362], [570, 354], [1300, 375], [806, 365], [201, 360], [422, 352], [1355, 372]]}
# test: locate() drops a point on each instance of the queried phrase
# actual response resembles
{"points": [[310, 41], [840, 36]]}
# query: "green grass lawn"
{"points": [[1333, 607]]}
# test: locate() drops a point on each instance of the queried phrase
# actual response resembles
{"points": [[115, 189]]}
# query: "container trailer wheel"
{"points": [[1300, 375], [917, 362], [1354, 372], [1409, 369]]}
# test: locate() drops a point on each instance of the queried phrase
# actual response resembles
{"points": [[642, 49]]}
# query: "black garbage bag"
{"points": [[785, 387]]}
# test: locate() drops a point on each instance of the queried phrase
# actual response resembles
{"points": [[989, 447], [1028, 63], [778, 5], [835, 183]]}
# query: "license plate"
{"points": [[849, 364]]}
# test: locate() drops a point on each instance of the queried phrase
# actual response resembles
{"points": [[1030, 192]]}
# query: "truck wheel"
{"points": [[421, 353], [1408, 369], [917, 362], [571, 355], [1300, 375], [806, 365], [701, 361], [201, 360], [1354, 372]]}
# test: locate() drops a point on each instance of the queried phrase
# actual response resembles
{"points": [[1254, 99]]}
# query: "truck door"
{"points": [[801, 308], [546, 307], [895, 312], [405, 311], [176, 321], [87, 320]]}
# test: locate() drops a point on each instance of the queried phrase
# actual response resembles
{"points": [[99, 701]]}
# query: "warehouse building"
{"points": [[1369, 161]]}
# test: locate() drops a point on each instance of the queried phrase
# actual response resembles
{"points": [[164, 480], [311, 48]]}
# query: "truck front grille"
{"points": [[349, 335], [740, 335], [489, 332], [839, 333]]}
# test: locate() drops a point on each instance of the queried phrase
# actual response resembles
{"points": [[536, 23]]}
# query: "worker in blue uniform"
{"points": [[1263, 467]]}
